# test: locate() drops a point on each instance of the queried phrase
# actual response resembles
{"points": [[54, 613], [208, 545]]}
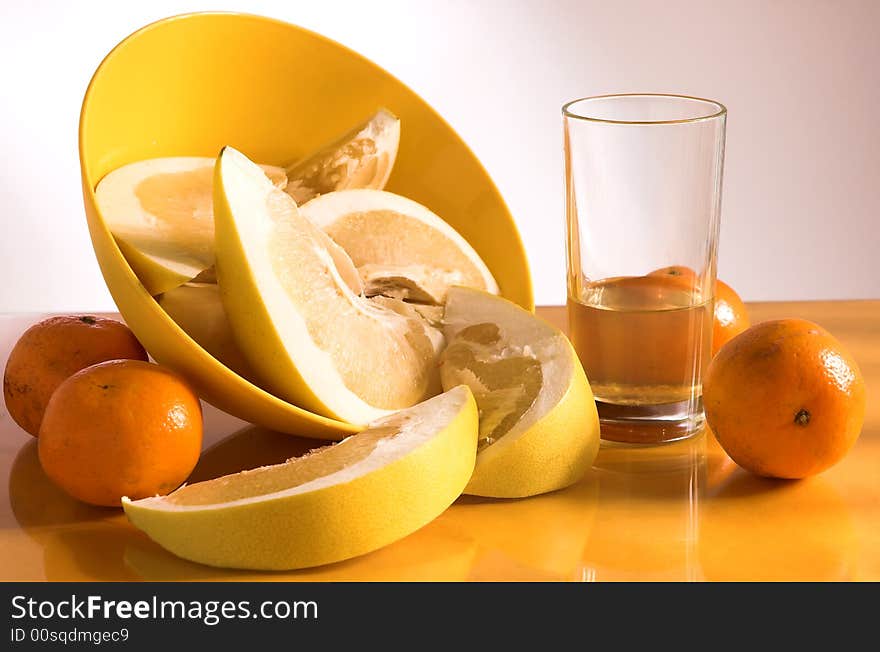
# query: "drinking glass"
{"points": [[643, 196]]}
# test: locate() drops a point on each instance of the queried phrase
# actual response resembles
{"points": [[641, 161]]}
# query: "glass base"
{"points": [[650, 424]]}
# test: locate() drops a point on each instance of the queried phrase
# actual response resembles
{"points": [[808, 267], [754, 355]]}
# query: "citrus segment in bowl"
{"points": [[309, 337], [334, 503], [198, 310], [361, 158], [400, 247], [160, 213], [539, 429]]}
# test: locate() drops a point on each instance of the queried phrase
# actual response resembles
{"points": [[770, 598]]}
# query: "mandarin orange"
{"points": [[678, 271], [54, 349], [121, 428], [785, 399], [731, 316]]}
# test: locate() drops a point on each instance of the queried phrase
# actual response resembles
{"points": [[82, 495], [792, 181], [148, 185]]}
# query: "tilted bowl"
{"points": [[188, 85]]}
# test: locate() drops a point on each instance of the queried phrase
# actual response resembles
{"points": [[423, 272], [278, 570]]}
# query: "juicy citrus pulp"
{"points": [[400, 248], [332, 504]]}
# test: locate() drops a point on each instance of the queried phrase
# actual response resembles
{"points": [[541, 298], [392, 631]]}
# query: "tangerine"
{"points": [[785, 399], [52, 350], [677, 271], [730, 317], [120, 428]]}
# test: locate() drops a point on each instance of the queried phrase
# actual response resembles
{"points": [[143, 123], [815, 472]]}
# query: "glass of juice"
{"points": [[643, 196]]}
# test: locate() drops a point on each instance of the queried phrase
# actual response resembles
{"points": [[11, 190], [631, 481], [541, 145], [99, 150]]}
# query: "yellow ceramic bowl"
{"points": [[189, 85]]}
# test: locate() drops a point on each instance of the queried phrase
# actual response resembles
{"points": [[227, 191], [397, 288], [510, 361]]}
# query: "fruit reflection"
{"points": [[77, 541], [93, 553], [761, 529], [83, 542], [431, 554], [39, 505], [537, 538]]}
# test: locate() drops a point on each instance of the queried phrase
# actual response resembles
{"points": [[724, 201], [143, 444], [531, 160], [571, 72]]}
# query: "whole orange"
{"points": [[730, 318], [679, 271], [121, 428], [785, 399], [54, 349]]}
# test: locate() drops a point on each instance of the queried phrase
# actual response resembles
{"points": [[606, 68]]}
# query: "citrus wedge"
{"points": [[310, 338], [159, 211], [539, 429], [198, 310], [400, 247], [335, 503], [361, 158]]}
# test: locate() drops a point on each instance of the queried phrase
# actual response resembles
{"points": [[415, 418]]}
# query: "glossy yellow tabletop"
{"points": [[681, 511]]}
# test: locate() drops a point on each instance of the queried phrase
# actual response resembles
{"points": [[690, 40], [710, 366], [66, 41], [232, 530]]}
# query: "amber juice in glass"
{"points": [[648, 348], [643, 175]]}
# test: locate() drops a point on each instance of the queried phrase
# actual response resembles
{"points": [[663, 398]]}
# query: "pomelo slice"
{"points": [[539, 429], [160, 212], [309, 337], [361, 158], [198, 310], [400, 247], [335, 503]]}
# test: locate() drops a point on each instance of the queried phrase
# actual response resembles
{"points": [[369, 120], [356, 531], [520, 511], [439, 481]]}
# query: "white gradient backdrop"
{"points": [[799, 77]]}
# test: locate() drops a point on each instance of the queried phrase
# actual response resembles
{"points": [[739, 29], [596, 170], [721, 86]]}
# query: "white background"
{"points": [[801, 80]]}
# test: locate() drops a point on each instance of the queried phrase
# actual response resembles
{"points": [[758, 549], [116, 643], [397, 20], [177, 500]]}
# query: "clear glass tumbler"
{"points": [[643, 196]]}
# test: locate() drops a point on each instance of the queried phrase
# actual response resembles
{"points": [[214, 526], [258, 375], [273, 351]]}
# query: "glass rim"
{"points": [[720, 109]]}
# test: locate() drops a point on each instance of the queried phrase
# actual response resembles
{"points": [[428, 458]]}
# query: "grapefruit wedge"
{"points": [[539, 428], [400, 248], [160, 213], [361, 158], [309, 337], [334, 503]]}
